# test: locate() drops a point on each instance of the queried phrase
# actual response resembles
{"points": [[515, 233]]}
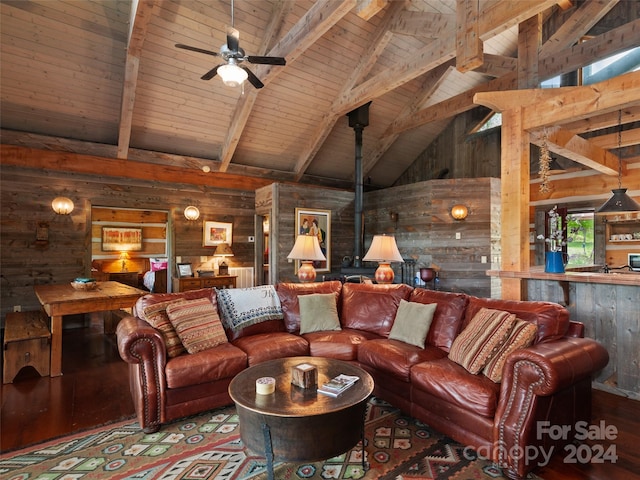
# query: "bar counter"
{"points": [[581, 275], [609, 306]]}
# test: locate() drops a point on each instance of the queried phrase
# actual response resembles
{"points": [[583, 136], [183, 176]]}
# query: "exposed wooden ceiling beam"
{"points": [[377, 44], [497, 18], [575, 27], [367, 9], [609, 119], [247, 101], [577, 56], [433, 80], [424, 24], [469, 47], [120, 168], [144, 10], [574, 147], [610, 140], [315, 22]]}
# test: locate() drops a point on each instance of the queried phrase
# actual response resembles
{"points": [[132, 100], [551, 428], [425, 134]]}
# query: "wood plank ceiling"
{"points": [[104, 78]]}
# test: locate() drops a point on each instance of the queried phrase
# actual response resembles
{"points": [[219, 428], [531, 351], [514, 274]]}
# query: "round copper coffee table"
{"points": [[300, 424]]}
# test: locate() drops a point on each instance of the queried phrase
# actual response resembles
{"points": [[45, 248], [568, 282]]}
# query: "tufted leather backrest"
{"points": [[288, 294], [371, 307], [552, 319], [448, 317]]}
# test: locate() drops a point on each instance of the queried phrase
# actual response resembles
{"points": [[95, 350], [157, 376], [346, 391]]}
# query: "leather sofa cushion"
{"points": [[222, 361], [551, 319], [447, 320], [341, 345], [268, 346], [450, 382], [372, 307], [395, 357], [288, 294]]}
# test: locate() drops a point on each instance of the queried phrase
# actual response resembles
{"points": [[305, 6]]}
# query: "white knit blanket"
{"points": [[241, 307]]}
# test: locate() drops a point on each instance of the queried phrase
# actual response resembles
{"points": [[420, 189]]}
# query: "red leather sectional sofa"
{"points": [[549, 381]]}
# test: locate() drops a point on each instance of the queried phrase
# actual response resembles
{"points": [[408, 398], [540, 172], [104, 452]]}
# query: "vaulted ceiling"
{"points": [[104, 78]]}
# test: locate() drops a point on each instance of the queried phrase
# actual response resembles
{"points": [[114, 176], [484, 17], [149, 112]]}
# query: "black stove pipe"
{"points": [[358, 119]]}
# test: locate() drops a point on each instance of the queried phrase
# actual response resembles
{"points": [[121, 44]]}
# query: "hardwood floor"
{"points": [[94, 390]]}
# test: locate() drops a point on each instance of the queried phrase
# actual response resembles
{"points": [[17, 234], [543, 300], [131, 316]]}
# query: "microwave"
{"points": [[634, 262]]}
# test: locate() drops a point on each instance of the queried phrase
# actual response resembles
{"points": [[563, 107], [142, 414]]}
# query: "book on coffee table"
{"points": [[337, 385]]}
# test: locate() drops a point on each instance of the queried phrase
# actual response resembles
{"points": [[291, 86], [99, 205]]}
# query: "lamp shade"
{"points": [[232, 75], [62, 205], [223, 250], [306, 248], [383, 249], [191, 213], [619, 202]]}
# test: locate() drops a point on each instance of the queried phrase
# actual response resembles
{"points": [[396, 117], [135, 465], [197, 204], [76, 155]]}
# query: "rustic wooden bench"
{"points": [[27, 342]]}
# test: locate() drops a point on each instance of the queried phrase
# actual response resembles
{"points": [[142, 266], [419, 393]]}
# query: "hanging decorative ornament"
{"points": [[544, 162]]}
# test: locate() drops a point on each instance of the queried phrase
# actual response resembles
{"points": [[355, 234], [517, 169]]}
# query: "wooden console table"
{"points": [[194, 283], [60, 300]]}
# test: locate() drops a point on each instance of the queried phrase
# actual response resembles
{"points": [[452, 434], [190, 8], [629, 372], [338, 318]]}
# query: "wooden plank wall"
{"points": [[426, 232], [26, 196], [610, 316], [284, 199], [153, 223]]}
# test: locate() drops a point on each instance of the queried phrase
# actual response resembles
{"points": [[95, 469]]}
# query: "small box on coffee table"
{"points": [[304, 375]]}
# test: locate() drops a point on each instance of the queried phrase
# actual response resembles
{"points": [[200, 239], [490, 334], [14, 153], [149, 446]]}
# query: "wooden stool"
{"points": [[27, 341]]}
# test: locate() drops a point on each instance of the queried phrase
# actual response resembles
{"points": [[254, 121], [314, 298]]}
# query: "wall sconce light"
{"points": [[459, 212], [62, 205], [394, 218], [383, 250], [191, 213]]}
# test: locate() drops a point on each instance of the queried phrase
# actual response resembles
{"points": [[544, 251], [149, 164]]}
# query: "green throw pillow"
{"points": [[412, 322], [318, 312]]}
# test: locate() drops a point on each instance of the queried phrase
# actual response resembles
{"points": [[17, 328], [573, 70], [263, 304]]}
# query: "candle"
{"points": [[265, 385]]}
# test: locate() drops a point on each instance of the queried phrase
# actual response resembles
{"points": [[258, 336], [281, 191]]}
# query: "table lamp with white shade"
{"points": [[307, 250], [383, 250]]}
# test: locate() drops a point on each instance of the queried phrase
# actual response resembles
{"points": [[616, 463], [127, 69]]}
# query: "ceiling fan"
{"points": [[232, 72]]}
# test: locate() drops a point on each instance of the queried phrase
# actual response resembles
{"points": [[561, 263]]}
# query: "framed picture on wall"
{"points": [[215, 233], [119, 239], [315, 222]]}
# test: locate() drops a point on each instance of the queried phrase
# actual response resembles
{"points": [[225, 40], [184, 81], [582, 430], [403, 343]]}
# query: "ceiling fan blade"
{"points": [[196, 49], [255, 81], [210, 74], [267, 60], [233, 39]]}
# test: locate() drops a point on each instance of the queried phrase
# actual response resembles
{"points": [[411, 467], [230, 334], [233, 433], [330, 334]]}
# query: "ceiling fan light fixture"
{"points": [[232, 75]]}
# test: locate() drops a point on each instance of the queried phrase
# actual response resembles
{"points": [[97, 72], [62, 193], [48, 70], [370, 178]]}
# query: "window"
{"points": [[580, 232]]}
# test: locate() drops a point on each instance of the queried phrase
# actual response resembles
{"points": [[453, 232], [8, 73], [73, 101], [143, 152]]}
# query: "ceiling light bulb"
{"points": [[232, 75]]}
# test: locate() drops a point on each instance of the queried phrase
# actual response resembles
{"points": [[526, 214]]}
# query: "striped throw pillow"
{"points": [[156, 316], [522, 335], [484, 335], [197, 324]]}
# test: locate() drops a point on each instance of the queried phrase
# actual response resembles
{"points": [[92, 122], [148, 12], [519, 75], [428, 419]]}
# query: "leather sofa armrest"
{"points": [[142, 346], [132, 330], [535, 379], [551, 366]]}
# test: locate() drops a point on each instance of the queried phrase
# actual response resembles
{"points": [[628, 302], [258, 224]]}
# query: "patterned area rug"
{"points": [[208, 447]]}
